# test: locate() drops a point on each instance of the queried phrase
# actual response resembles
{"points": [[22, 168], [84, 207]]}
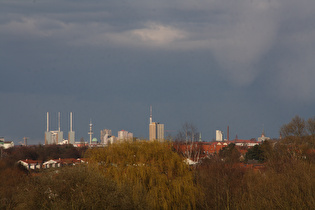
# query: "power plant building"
{"points": [[56, 136]]}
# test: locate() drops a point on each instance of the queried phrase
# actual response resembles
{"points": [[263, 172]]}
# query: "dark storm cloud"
{"points": [[211, 62]]}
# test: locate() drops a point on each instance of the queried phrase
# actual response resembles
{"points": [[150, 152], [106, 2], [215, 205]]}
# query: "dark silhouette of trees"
{"points": [[222, 183], [73, 188], [311, 126], [259, 152], [11, 177], [43, 153], [230, 154]]}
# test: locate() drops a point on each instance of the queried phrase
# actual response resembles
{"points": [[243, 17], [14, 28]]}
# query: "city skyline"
{"points": [[246, 64]]}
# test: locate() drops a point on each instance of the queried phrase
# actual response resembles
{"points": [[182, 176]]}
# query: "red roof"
{"points": [[31, 161], [67, 160]]}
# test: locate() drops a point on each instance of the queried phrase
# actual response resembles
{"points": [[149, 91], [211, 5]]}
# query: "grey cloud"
{"points": [[239, 34]]}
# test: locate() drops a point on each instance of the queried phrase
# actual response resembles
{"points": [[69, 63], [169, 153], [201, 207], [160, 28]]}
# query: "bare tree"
{"points": [[311, 126], [297, 127], [188, 135]]}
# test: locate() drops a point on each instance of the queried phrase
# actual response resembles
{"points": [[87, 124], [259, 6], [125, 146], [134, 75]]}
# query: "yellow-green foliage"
{"points": [[291, 188], [158, 176], [285, 181], [75, 187]]}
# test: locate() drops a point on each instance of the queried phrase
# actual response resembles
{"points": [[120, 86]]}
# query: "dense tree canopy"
{"points": [[230, 154], [158, 176], [44, 152], [259, 152], [72, 188]]}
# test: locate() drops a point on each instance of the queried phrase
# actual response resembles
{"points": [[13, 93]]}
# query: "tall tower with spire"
{"points": [[156, 130], [263, 136], [91, 131]]}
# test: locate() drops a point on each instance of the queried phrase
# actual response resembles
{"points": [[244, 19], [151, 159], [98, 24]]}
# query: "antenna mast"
{"points": [[91, 132], [150, 114]]}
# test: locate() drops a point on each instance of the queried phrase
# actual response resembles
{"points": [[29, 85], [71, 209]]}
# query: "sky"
{"points": [[246, 64]]}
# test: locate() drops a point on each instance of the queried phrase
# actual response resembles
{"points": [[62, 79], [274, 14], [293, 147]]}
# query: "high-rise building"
{"points": [[156, 130], [152, 131], [160, 131], [218, 135], [107, 139], [104, 132], [124, 135]]}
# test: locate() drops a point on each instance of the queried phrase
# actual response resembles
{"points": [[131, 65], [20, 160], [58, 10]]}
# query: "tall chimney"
{"points": [[59, 121], [47, 121], [228, 133], [70, 121]]}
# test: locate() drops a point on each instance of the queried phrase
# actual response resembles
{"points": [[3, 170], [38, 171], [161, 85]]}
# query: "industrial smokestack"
{"points": [[70, 121], [228, 133], [59, 121], [47, 121]]}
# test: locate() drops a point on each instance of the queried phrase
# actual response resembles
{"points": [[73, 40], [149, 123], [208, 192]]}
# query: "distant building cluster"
{"points": [[124, 135], [156, 133], [107, 138], [156, 130]]}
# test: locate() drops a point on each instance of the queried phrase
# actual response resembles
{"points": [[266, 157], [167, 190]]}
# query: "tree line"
{"points": [[152, 175]]}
